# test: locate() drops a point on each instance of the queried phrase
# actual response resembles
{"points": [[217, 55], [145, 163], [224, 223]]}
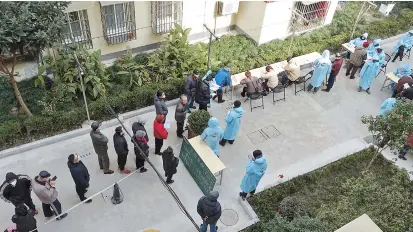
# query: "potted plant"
{"points": [[197, 122]]}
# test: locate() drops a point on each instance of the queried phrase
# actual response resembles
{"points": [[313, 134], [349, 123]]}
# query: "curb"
{"points": [[78, 132]]}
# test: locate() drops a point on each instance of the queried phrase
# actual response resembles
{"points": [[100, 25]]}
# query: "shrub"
{"points": [[299, 224], [198, 121], [9, 132], [290, 207]]}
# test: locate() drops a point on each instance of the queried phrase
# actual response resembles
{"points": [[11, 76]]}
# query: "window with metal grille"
{"points": [[165, 15], [77, 29], [118, 22], [308, 15]]}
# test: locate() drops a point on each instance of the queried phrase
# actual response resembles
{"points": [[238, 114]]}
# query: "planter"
{"points": [[191, 133]]}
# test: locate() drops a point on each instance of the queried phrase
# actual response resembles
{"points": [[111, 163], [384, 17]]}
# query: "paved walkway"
{"points": [[309, 126]]}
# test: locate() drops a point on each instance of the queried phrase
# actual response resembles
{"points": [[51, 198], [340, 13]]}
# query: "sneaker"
{"points": [[88, 201], [222, 101], [170, 182], [352, 77], [325, 90], [126, 171], [143, 169], [402, 157], [180, 136], [368, 91], [347, 74], [61, 217], [109, 172], [242, 197], [222, 143], [359, 89]]}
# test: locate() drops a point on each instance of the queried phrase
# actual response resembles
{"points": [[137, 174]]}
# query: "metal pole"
{"points": [[80, 74], [209, 51], [357, 20]]}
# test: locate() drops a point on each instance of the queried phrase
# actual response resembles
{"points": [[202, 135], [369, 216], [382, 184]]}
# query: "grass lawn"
{"points": [[330, 197]]}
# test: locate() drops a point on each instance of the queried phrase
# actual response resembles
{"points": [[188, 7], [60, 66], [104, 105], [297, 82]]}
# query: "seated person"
{"points": [[252, 83], [403, 70], [293, 69], [403, 83], [403, 45], [407, 93], [270, 78], [223, 79]]}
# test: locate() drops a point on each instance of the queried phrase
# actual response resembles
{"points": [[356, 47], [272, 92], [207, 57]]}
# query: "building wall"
{"points": [[276, 21], [250, 17]]}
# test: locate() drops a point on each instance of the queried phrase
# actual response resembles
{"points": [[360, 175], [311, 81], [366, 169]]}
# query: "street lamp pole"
{"points": [[80, 74]]}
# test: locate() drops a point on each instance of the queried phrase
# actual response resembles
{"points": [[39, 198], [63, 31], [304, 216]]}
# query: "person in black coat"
{"points": [[140, 139], [16, 189], [140, 125], [210, 210], [170, 163], [80, 175], [203, 92], [121, 148], [24, 219]]}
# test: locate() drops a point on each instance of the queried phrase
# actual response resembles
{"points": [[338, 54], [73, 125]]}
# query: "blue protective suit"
{"points": [[254, 169], [322, 69], [387, 106], [368, 72], [233, 120], [404, 70], [223, 78], [358, 42], [213, 134], [371, 50], [406, 40]]}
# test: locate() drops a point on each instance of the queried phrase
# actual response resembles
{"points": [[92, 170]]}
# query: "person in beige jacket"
{"points": [[271, 79], [293, 69], [45, 190]]}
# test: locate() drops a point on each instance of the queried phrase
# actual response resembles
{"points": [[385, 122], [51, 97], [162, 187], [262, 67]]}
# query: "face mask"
{"points": [[13, 183]]}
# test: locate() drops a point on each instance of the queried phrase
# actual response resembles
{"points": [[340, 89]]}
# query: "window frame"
{"points": [[85, 35], [165, 14], [119, 31], [308, 11]]}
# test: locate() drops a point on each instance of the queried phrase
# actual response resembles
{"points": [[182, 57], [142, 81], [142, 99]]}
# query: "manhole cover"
{"points": [[270, 131], [257, 137], [229, 217]]}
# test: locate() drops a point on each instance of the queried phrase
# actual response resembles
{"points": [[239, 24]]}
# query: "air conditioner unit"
{"points": [[228, 7]]}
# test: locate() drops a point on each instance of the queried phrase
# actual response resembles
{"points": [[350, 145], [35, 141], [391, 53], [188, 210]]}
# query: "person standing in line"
{"points": [[233, 120], [210, 211], [180, 115], [80, 176], [223, 79], [212, 135], [24, 219], [356, 60], [190, 89], [170, 163], [368, 72], [16, 189], [203, 92], [100, 144], [159, 132], [338, 62], [45, 190], [160, 105], [121, 148], [254, 170], [140, 125], [322, 69], [140, 139]]}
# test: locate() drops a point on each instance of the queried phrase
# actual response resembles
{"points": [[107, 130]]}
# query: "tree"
{"points": [[27, 28], [393, 129]]}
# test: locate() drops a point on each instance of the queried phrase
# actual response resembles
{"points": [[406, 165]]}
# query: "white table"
{"points": [[390, 76], [348, 47]]}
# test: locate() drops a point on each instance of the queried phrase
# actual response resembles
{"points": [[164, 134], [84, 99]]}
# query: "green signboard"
{"points": [[201, 174]]}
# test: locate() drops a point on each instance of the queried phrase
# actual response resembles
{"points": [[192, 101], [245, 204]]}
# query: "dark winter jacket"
{"points": [[180, 113], [160, 106], [139, 138], [139, 126], [203, 93], [121, 146], [170, 162], [100, 142], [24, 220], [190, 86], [18, 193], [79, 174], [208, 206]]}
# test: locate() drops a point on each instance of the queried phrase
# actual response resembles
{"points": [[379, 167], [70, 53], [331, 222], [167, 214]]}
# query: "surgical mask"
{"points": [[13, 183]]}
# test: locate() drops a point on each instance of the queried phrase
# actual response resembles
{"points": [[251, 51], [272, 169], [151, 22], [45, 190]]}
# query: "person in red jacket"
{"points": [[403, 152], [159, 132], [335, 69]]}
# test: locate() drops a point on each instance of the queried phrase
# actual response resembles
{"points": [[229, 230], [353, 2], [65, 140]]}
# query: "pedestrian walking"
{"points": [[160, 105], [212, 135], [100, 144], [45, 189], [210, 211], [170, 163], [233, 120], [16, 189], [121, 148], [180, 115], [255, 169], [322, 69], [356, 60], [142, 143], [24, 219], [159, 132], [190, 89], [80, 176], [368, 72], [203, 92], [336, 66], [140, 125]]}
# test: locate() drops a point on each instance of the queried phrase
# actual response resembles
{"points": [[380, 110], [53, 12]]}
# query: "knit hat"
{"points": [[118, 129], [11, 176], [366, 44], [71, 158], [140, 134], [237, 104], [44, 174]]}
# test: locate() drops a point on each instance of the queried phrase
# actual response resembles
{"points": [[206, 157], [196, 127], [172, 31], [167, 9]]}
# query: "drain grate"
{"points": [[263, 134]]}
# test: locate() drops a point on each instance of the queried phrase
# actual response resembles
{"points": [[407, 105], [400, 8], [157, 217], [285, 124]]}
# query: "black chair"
{"points": [[278, 89], [383, 68], [302, 80], [255, 96], [407, 53]]}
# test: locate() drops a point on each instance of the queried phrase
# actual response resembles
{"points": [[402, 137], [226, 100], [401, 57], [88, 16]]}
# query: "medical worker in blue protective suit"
{"points": [[233, 120], [387, 106], [403, 45], [358, 42], [213, 134], [371, 50], [322, 69], [222, 78], [254, 170], [368, 72], [403, 70]]}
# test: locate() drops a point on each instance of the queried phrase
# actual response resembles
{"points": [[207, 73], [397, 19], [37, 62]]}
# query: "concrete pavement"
{"points": [[309, 125]]}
